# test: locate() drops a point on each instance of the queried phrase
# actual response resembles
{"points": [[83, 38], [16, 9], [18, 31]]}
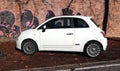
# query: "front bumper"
{"points": [[18, 44]]}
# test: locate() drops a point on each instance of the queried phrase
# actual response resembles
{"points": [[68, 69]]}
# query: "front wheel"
{"points": [[29, 47], [93, 49]]}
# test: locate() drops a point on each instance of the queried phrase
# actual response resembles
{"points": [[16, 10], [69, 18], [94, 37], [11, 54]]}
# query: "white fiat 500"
{"points": [[64, 33]]}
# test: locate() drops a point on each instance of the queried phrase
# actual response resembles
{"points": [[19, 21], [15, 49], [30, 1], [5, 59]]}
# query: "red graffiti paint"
{"points": [[1, 33]]}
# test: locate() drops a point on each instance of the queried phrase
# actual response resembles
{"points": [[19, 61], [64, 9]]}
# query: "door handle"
{"points": [[69, 34]]}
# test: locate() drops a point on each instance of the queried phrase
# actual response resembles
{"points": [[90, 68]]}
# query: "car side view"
{"points": [[64, 33]]}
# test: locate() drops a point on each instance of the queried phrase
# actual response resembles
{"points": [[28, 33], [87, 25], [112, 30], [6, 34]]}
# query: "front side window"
{"points": [[79, 23], [59, 23]]}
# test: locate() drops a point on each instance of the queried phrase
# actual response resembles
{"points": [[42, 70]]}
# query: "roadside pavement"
{"points": [[113, 65]]}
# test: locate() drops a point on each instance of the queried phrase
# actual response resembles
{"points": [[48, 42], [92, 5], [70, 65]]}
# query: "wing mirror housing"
{"points": [[44, 28]]}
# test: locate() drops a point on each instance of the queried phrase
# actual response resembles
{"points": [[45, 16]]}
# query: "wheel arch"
{"points": [[28, 39], [91, 42]]}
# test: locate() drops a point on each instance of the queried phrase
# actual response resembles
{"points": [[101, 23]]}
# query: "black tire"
{"points": [[29, 47], [93, 49]]}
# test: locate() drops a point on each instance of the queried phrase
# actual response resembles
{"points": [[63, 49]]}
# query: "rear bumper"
{"points": [[105, 44]]}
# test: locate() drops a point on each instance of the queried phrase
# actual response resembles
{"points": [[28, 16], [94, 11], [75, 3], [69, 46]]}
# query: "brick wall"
{"points": [[19, 15]]}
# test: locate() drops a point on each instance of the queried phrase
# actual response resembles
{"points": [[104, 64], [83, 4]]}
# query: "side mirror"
{"points": [[44, 28]]}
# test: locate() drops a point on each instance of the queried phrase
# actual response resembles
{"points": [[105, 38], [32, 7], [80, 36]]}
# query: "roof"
{"points": [[68, 16], [72, 16]]}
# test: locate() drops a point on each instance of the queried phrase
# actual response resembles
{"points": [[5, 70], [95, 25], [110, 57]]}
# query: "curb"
{"points": [[75, 67]]}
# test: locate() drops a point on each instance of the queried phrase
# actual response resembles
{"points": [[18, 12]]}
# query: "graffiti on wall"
{"points": [[7, 20], [27, 21], [8, 27]]}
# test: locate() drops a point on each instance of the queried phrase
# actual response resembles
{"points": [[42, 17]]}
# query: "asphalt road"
{"points": [[108, 67], [97, 66]]}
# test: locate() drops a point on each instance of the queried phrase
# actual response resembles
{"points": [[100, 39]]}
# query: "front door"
{"points": [[58, 35]]}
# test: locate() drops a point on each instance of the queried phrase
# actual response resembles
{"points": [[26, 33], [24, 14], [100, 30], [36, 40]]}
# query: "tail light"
{"points": [[103, 34]]}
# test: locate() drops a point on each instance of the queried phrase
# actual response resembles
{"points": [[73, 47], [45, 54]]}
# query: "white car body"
{"points": [[63, 39]]}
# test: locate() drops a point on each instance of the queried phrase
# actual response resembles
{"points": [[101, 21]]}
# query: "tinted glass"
{"points": [[59, 23], [79, 23]]}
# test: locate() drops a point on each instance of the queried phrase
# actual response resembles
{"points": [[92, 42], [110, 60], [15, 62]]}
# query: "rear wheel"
{"points": [[93, 49], [29, 47]]}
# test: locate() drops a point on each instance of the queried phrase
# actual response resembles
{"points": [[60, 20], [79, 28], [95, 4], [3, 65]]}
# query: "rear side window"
{"points": [[80, 23]]}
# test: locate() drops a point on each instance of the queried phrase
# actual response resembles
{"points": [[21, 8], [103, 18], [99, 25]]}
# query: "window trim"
{"points": [[71, 23], [71, 20]]}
